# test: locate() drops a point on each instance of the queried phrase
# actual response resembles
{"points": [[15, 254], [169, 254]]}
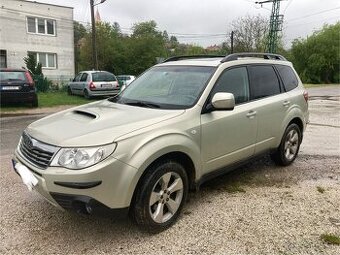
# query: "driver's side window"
{"points": [[234, 81]]}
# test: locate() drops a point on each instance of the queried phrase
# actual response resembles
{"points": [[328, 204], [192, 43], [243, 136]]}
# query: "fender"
{"points": [[147, 150]]}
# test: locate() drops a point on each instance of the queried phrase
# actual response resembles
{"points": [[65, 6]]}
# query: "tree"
{"points": [[317, 58], [249, 33], [32, 65], [79, 33]]}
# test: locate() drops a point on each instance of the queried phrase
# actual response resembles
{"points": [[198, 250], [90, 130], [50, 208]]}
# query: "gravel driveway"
{"points": [[257, 209]]}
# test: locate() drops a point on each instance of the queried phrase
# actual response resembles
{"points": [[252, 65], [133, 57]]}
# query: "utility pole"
{"points": [[275, 25], [232, 42], [94, 46]]}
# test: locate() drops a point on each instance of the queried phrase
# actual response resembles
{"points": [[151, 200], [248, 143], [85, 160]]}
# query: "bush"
{"points": [[42, 84]]}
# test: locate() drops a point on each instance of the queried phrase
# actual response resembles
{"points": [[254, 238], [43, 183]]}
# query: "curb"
{"points": [[42, 111]]}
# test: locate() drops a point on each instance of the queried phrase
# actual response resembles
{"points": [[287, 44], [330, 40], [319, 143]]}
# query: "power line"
{"points": [[316, 13]]}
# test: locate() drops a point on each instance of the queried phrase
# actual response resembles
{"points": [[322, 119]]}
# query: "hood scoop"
{"points": [[85, 114]]}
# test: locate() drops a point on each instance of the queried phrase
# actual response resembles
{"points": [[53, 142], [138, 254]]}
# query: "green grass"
{"points": [[330, 239], [308, 85], [48, 99], [320, 189]]}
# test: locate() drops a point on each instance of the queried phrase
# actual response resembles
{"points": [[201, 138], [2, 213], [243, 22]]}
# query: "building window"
{"points": [[3, 59], [41, 26], [47, 60]]}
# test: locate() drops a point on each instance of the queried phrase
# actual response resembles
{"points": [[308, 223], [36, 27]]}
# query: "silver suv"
{"points": [[179, 124]]}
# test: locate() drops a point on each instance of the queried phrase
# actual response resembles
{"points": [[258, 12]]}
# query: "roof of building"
{"points": [[62, 6]]}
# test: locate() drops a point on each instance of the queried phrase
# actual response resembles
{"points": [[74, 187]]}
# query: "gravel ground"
{"points": [[257, 209]]}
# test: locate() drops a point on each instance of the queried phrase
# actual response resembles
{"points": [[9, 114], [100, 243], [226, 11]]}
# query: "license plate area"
{"points": [[11, 88], [26, 175], [106, 86]]}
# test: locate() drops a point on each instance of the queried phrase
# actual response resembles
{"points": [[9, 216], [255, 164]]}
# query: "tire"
{"points": [[155, 207], [35, 102], [86, 94], [69, 91], [289, 147]]}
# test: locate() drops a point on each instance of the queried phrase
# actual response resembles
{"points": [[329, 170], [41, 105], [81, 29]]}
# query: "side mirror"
{"points": [[223, 101]]}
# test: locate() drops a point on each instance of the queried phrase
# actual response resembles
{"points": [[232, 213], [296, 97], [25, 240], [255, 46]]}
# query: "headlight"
{"points": [[79, 158]]}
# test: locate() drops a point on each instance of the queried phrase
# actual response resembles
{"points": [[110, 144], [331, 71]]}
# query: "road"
{"points": [[257, 209]]}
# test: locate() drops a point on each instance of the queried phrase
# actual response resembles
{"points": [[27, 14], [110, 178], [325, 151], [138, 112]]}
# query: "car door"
{"points": [[83, 82], [270, 103], [229, 136], [74, 84]]}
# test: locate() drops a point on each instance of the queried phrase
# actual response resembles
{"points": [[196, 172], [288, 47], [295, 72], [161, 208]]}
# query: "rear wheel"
{"points": [[289, 147], [35, 102], [160, 196], [86, 94]]}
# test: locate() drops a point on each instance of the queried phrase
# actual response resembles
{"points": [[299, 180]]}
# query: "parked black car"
{"points": [[17, 86]]}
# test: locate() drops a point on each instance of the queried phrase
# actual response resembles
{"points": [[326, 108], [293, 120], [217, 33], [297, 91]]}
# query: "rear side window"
{"points": [[288, 77], [84, 77], [103, 76], [12, 76], [263, 81], [234, 81]]}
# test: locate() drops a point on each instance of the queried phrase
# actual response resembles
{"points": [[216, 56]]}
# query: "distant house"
{"points": [[46, 30]]}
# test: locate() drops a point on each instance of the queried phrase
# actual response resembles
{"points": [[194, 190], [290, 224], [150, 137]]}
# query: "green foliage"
{"points": [[32, 65], [330, 239], [42, 84], [317, 58]]}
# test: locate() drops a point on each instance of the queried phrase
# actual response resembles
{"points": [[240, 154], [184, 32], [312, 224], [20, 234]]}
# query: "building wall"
{"points": [[15, 39]]}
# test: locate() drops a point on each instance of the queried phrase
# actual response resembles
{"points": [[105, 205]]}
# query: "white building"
{"points": [[45, 30]]}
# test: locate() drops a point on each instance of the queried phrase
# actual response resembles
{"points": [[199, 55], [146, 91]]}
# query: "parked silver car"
{"points": [[94, 83], [179, 124]]}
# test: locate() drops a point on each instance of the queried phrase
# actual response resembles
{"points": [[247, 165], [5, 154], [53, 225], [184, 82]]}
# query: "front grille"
{"points": [[36, 152]]}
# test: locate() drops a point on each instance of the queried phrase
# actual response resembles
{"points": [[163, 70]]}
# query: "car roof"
{"points": [[12, 70], [232, 59], [95, 71]]}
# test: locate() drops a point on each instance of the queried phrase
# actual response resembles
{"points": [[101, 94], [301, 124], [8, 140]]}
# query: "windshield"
{"points": [[103, 76], [167, 87]]}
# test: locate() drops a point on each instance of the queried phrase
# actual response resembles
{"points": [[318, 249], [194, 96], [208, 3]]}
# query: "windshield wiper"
{"points": [[143, 104]]}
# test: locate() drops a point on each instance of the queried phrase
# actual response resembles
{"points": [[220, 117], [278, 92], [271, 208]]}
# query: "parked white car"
{"points": [[125, 80], [94, 83]]}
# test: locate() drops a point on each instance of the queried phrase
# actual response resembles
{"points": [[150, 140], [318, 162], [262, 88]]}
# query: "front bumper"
{"points": [[107, 183]]}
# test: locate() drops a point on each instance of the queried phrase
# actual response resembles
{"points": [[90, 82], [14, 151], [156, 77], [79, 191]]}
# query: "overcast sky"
{"points": [[206, 22]]}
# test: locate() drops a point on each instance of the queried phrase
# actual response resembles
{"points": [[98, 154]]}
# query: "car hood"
{"points": [[97, 123]]}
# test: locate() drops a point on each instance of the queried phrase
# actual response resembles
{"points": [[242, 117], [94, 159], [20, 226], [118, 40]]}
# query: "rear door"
{"points": [[83, 83], [74, 84], [270, 103]]}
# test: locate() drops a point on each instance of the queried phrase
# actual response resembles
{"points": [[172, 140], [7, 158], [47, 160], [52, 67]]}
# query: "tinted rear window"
{"points": [[288, 77], [103, 76], [12, 76], [263, 81]]}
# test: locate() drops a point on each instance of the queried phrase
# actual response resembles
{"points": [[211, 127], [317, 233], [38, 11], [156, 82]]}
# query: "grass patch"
{"points": [[234, 188], [330, 239], [48, 99], [320, 189], [308, 85]]}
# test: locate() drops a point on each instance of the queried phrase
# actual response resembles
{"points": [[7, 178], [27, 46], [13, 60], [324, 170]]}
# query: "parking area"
{"points": [[258, 209]]}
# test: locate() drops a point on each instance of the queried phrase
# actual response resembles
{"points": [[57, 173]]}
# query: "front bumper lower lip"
{"points": [[79, 185]]}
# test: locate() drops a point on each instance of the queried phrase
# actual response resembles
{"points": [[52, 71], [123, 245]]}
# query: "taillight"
{"points": [[305, 95], [92, 86], [29, 79]]}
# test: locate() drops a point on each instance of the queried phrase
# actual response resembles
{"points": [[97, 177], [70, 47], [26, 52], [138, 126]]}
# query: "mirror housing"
{"points": [[223, 101]]}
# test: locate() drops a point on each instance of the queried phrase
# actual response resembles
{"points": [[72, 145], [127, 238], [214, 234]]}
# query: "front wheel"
{"points": [[289, 147], [160, 196]]}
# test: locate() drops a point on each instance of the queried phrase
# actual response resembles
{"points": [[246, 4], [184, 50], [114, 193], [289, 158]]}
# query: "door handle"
{"points": [[286, 103], [251, 114]]}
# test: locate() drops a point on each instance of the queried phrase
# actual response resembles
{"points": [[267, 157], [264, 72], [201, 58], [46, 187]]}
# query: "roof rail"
{"points": [[176, 58], [236, 56]]}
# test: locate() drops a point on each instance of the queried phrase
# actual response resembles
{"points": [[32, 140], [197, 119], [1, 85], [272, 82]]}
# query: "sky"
{"points": [[207, 22]]}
